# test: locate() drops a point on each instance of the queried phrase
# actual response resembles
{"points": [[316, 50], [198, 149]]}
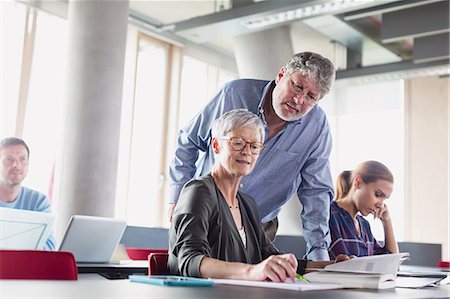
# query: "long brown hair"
{"points": [[369, 171]]}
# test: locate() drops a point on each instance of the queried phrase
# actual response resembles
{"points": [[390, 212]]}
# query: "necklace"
{"points": [[235, 206]]}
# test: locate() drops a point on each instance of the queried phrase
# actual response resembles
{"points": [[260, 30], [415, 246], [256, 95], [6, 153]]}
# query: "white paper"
{"points": [[288, 285], [416, 282], [22, 229]]}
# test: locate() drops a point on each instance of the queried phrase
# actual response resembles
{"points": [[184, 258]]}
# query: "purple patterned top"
{"points": [[345, 238]]}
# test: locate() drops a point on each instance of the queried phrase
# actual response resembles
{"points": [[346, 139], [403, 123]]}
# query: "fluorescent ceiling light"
{"points": [[332, 6], [436, 71]]}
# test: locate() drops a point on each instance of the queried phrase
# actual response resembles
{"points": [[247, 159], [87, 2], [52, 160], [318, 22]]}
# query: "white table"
{"points": [[95, 286]]}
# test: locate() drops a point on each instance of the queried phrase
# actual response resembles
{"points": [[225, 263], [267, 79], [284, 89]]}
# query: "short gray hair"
{"points": [[235, 119], [316, 67]]}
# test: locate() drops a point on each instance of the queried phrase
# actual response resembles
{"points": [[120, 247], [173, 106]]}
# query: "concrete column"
{"points": [[86, 168], [260, 55]]}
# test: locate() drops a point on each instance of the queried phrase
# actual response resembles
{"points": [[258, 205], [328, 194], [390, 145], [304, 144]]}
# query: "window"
{"points": [[43, 114], [32, 84], [146, 140], [13, 17], [200, 82], [367, 124]]}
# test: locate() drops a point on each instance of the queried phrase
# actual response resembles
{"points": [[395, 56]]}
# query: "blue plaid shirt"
{"points": [[345, 238], [295, 160]]}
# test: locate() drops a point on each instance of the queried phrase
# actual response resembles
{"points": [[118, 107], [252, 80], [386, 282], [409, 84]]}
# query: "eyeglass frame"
{"points": [[10, 161], [245, 144], [295, 87]]}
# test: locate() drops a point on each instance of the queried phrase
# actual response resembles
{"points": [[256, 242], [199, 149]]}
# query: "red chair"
{"points": [[157, 263], [37, 264], [444, 264], [142, 253]]}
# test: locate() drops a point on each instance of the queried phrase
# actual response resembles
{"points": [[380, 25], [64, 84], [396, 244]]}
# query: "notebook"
{"points": [[92, 239]]}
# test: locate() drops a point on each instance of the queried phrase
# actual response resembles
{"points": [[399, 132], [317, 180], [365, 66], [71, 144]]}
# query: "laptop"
{"points": [[23, 229], [92, 239]]}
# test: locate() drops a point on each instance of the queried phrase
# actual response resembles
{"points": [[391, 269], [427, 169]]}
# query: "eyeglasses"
{"points": [[238, 144], [9, 161], [310, 99]]}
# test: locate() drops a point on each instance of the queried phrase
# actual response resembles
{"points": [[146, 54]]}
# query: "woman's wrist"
{"points": [[386, 221], [317, 264], [301, 266]]}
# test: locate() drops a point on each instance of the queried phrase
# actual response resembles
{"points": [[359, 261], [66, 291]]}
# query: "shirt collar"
{"points": [[269, 87]]}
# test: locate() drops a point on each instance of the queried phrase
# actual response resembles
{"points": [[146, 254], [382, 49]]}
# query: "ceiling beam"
{"points": [[433, 47], [271, 13], [396, 67], [424, 20], [229, 22], [391, 6]]}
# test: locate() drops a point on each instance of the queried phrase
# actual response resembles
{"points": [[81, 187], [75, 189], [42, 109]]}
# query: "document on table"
{"points": [[421, 280], [288, 285]]}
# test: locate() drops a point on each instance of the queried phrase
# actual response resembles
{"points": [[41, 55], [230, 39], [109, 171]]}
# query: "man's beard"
{"points": [[279, 113]]}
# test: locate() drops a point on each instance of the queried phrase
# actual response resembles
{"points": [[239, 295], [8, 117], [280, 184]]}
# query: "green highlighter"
{"points": [[301, 278]]}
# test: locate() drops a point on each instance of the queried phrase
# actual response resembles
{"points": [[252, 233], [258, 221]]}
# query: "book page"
{"points": [[385, 263], [353, 280]]}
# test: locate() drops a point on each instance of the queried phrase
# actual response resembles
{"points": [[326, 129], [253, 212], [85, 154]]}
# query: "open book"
{"points": [[372, 272]]}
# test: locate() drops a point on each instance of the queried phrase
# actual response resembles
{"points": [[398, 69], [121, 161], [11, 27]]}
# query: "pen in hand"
{"points": [[301, 278]]}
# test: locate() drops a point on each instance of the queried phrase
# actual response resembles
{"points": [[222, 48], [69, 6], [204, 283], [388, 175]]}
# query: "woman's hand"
{"points": [[275, 268], [170, 211], [311, 265], [343, 257], [383, 214]]}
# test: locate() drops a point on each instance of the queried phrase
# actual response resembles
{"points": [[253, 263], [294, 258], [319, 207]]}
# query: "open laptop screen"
{"points": [[92, 239], [23, 229]]}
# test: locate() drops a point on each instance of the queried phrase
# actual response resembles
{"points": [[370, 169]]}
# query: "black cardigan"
{"points": [[203, 226]]}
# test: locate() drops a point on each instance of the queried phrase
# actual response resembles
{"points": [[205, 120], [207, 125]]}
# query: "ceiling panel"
{"points": [[373, 32]]}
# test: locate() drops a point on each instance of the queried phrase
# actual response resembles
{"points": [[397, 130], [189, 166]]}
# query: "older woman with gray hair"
{"points": [[216, 230]]}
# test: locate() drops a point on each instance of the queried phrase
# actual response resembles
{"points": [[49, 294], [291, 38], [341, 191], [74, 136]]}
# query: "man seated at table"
{"points": [[14, 159], [216, 231]]}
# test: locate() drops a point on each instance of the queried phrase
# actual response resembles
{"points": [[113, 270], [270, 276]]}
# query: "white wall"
{"points": [[427, 203]]}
